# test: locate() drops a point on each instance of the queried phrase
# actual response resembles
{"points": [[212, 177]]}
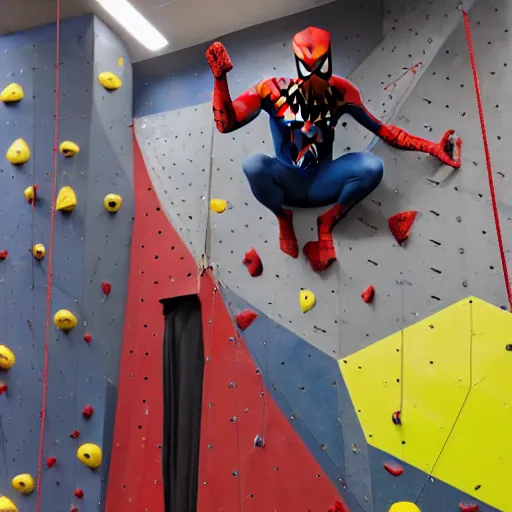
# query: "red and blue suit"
{"points": [[303, 114]]}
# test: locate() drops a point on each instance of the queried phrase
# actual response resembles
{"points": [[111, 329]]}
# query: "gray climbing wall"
{"points": [[90, 246]]}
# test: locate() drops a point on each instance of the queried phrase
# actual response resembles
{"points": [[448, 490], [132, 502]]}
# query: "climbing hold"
{"points": [[90, 454], [469, 507], [24, 483], [218, 205], [12, 93], [18, 153], [31, 193], [87, 411], [245, 318], [253, 263], [395, 418], [66, 200], [404, 506], [50, 462], [109, 80], [113, 202], [368, 294], [509, 347], [64, 320], [7, 505], [307, 300], [74, 509], [259, 442], [79, 493], [106, 287], [75, 434], [87, 338], [68, 148], [39, 251], [7, 358], [3, 387], [394, 469], [337, 507], [400, 225], [3, 255]]}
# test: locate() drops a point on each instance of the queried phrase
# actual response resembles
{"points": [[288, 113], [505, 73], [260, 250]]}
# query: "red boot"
{"points": [[287, 239], [321, 254]]}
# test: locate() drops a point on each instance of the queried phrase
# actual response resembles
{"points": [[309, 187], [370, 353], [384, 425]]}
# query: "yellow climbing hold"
{"points": [[69, 148], [109, 80], [12, 93], [218, 205], [7, 358], [64, 320], [66, 200], [23, 483], [90, 454], [404, 506], [7, 505], [112, 202], [18, 153], [39, 251], [30, 193], [120, 62], [307, 300]]}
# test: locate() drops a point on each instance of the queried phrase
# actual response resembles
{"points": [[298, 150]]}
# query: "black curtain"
{"points": [[183, 385]]}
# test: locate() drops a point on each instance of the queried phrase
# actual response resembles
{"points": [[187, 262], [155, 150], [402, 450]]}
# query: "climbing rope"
{"points": [[49, 281], [487, 157]]}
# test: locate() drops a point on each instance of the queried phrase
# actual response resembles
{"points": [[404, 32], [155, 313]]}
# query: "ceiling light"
{"points": [[135, 24]]}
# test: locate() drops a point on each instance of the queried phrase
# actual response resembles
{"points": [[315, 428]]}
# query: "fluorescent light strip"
{"points": [[135, 24]]}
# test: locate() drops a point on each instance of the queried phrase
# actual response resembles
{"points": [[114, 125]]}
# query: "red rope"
{"points": [[49, 281], [488, 159]]}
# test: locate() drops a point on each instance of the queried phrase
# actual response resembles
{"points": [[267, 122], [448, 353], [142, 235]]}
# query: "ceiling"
{"points": [[183, 22]]}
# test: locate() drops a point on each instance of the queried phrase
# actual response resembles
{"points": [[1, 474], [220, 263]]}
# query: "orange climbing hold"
{"points": [[87, 411], [253, 263], [50, 462], [368, 294], [400, 225], [245, 318]]}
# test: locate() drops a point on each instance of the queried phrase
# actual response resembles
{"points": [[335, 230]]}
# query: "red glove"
{"points": [[218, 60]]}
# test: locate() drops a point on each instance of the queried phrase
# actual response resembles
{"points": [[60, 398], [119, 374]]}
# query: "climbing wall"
{"points": [[341, 371], [90, 246]]}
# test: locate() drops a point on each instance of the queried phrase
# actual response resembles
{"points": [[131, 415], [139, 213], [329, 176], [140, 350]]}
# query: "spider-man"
{"points": [[303, 113]]}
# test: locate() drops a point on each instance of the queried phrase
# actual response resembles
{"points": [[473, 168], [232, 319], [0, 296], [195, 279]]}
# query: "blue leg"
{"points": [[345, 182], [271, 183]]}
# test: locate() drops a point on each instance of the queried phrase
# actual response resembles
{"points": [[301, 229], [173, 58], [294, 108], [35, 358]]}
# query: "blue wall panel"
{"points": [[78, 373]]}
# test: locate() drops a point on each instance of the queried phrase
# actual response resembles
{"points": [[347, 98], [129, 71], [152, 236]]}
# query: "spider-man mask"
{"points": [[312, 49]]}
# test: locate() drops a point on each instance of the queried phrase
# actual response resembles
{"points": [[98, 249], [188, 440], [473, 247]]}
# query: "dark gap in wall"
{"points": [[183, 360]]}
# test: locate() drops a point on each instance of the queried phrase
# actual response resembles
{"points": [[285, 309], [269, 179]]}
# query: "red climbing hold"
{"points": [[394, 469], [106, 287], [337, 507], [73, 509], [87, 338], [87, 412], [75, 434], [3, 255], [50, 462], [253, 263], [245, 318], [79, 493], [472, 507], [400, 224], [3, 387], [368, 294]]}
